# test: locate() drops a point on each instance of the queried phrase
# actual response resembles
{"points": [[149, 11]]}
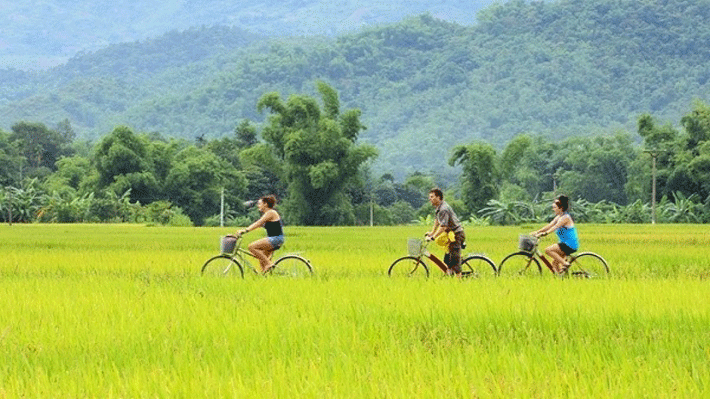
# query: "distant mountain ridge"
{"points": [[38, 36], [424, 85]]}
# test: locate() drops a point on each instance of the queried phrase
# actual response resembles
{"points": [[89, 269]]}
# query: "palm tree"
{"points": [[508, 213]]}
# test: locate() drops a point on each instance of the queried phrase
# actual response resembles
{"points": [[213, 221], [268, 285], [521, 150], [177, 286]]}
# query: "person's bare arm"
{"points": [[548, 228], [434, 230], [266, 217]]}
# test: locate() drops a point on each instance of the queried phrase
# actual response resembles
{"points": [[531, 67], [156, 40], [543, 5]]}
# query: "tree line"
{"points": [[308, 154]]}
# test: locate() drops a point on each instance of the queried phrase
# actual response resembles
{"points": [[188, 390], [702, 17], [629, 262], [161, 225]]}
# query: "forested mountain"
{"points": [[37, 35], [424, 85]]}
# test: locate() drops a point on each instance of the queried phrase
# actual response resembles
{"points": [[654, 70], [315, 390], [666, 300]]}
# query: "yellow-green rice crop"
{"points": [[121, 311]]}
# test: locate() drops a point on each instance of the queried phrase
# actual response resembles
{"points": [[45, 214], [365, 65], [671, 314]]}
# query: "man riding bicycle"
{"points": [[445, 221]]}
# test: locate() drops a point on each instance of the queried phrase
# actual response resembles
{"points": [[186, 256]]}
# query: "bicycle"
{"points": [[413, 265], [527, 261], [233, 259]]}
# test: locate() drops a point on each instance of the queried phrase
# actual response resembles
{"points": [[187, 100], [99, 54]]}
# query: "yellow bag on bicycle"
{"points": [[444, 239]]}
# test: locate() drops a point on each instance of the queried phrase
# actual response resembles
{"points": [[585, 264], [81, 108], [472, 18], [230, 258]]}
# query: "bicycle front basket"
{"points": [[527, 243], [414, 246], [227, 244]]}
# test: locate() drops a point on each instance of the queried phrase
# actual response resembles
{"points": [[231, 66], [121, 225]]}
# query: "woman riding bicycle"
{"points": [[262, 249], [563, 225]]}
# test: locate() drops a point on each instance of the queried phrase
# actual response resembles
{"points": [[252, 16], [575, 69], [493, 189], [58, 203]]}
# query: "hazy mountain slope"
{"points": [[39, 35]]}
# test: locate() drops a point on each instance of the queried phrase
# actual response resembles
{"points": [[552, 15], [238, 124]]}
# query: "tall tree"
{"points": [[319, 152], [123, 162], [11, 161], [696, 151], [40, 145], [265, 173], [195, 182], [480, 178], [697, 125], [596, 168]]}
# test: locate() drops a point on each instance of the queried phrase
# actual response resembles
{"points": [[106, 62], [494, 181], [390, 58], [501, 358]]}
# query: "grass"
{"points": [[121, 311]]}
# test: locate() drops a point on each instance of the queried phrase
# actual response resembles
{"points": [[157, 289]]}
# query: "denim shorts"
{"points": [[276, 242]]}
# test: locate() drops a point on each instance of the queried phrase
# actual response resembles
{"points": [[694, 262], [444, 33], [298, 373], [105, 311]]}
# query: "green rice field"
{"points": [[121, 311]]}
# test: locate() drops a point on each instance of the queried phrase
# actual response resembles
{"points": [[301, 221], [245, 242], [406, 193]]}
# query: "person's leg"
{"points": [[558, 257], [455, 254], [262, 250], [447, 263]]}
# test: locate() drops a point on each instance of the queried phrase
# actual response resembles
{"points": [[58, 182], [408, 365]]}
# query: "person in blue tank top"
{"points": [[563, 225], [264, 248]]}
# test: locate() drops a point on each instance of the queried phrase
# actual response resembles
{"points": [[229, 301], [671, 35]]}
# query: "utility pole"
{"points": [[654, 155], [221, 209], [9, 207], [7, 194], [371, 212], [554, 182]]}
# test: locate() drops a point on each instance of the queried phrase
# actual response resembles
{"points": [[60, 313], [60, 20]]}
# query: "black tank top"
{"points": [[274, 228]]}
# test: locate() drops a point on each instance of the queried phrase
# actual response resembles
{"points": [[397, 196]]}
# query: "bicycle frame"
{"points": [[536, 253], [424, 253], [544, 259]]}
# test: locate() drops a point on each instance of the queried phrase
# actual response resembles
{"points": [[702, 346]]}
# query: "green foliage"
{"points": [[655, 137], [479, 176], [683, 209], [683, 159], [59, 208], [311, 160], [319, 153], [11, 161], [166, 214], [596, 168], [21, 204], [381, 216], [402, 213], [264, 172], [196, 179], [40, 146], [107, 206], [508, 213], [120, 153], [71, 172]]}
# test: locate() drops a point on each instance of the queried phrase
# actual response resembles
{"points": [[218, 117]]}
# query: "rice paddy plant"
{"points": [[121, 311]]}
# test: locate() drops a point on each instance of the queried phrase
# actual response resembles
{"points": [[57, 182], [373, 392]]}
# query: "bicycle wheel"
{"points": [[520, 264], [291, 266], [408, 266], [222, 265], [588, 265], [477, 266]]}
